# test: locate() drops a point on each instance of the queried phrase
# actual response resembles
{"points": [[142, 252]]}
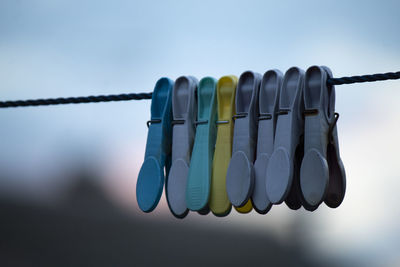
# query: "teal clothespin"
{"points": [[199, 178], [150, 181]]}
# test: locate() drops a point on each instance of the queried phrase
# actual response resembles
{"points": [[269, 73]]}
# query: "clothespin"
{"points": [[268, 105], [323, 176], [226, 91], [184, 108], [240, 174], [150, 180], [246, 208], [289, 129], [200, 169]]}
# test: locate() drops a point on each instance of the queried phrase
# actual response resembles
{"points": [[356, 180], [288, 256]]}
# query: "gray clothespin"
{"points": [[322, 176], [289, 129], [240, 174], [268, 104], [184, 109]]}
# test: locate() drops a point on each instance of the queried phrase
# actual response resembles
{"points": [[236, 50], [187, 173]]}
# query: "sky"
{"points": [[76, 48]]}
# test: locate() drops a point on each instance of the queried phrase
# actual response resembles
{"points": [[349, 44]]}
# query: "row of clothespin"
{"points": [[252, 142]]}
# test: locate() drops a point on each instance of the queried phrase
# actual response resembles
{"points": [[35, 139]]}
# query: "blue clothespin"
{"points": [[150, 181]]}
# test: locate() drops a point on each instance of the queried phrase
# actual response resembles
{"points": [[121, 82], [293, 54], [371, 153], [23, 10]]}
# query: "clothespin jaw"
{"points": [[184, 109], [240, 174], [268, 105], [200, 170], [337, 175], [289, 128], [321, 170], [226, 92], [150, 180], [246, 208]]}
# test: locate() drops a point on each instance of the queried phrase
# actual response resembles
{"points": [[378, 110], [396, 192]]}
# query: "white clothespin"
{"points": [[289, 129], [323, 176], [268, 104], [240, 174], [184, 109]]}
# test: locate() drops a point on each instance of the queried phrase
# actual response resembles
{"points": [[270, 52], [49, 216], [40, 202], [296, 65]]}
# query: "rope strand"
{"points": [[141, 96]]}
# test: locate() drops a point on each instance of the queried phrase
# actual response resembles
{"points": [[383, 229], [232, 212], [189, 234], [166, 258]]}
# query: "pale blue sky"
{"points": [[67, 48]]}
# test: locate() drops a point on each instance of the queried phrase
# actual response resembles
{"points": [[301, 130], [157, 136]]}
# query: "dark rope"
{"points": [[140, 96], [364, 78], [74, 100]]}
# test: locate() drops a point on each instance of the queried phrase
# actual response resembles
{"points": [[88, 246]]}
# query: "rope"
{"points": [[141, 96], [74, 100], [364, 78]]}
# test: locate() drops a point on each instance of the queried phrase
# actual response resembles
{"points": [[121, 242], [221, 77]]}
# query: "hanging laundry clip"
{"points": [[150, 180], [200, 170], [289, 129], [240, 174], [184, 110], [323, 176], [226, 91], [268, 105]]}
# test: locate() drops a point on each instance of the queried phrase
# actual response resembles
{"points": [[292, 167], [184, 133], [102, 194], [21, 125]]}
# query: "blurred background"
{"points": [[68, 173]]}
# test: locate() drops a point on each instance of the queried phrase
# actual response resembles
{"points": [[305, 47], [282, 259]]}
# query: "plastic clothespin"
{"points": [[184, 108], [288, 133], [226, 91], [268, 104], [323, 176], [200, 169], [246, 208], [150, 180], [240, 174]]}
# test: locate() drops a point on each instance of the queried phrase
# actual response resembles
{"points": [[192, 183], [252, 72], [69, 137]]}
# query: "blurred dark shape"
{"points": [[87, 229]]}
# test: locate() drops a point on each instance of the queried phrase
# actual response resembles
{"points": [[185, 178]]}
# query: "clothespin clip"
{"points": [[150, 180], [240, 174], [268, 105], [184, 108], [200, 169], [323, 176], [226, 91], [289, 129]]}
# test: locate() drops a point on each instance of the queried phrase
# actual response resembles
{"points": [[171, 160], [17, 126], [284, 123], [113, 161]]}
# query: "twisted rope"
{"points": [[141, 96], [75, 100], [364, 78]]}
